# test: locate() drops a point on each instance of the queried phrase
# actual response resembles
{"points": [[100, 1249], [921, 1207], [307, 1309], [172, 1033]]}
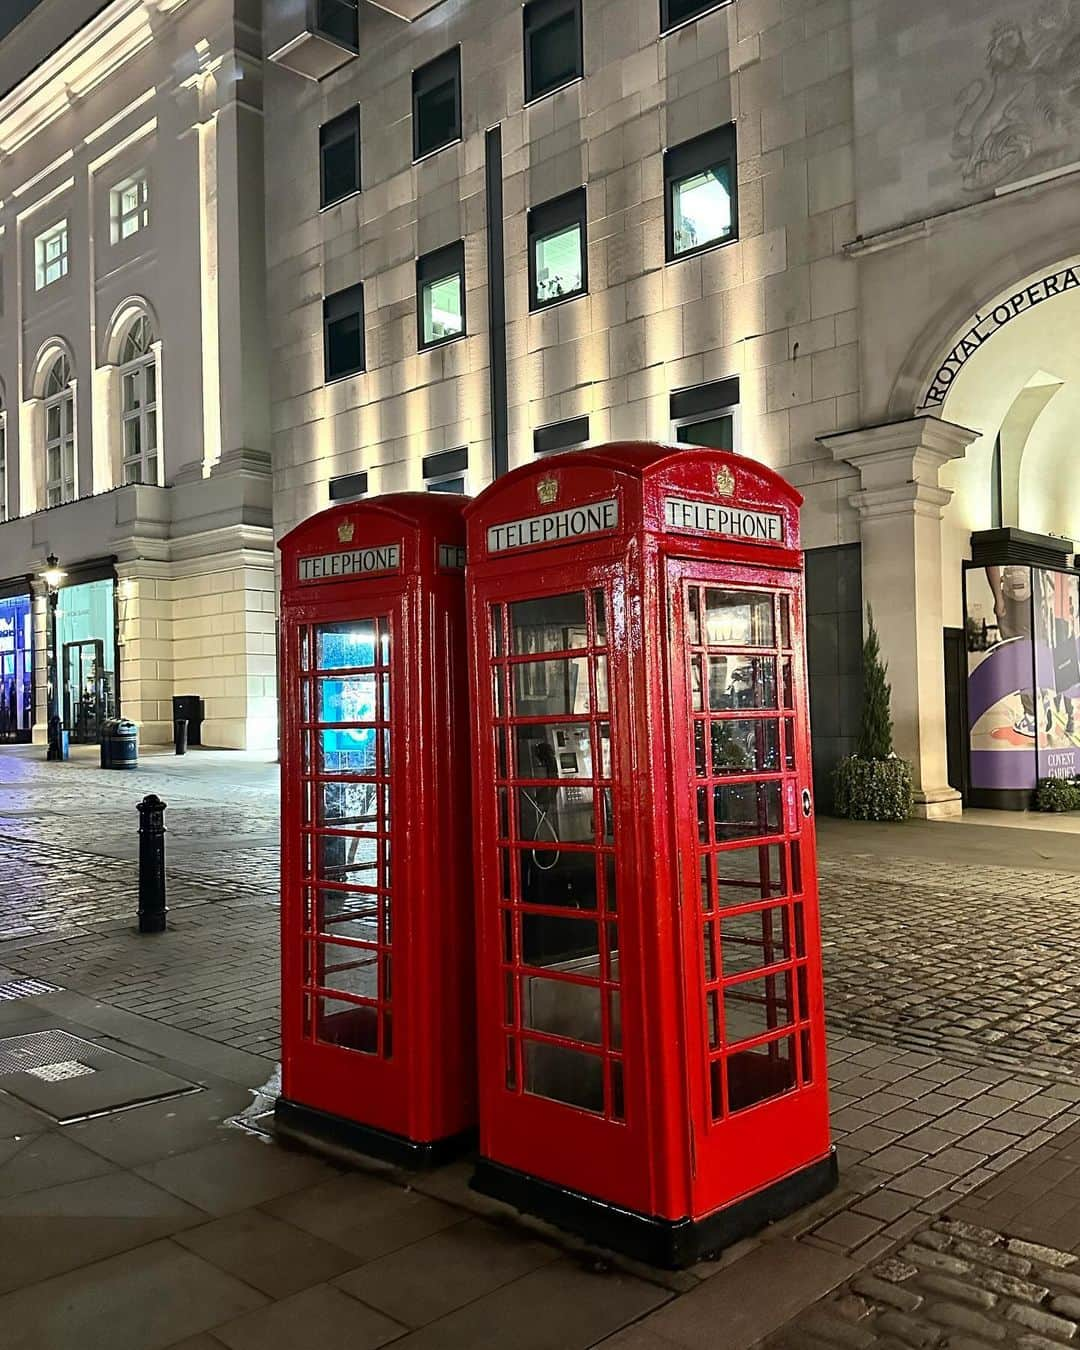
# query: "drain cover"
{"points": [[71, 1078], [56, 1073], [26, 988]]}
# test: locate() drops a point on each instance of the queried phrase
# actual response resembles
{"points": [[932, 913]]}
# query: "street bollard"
{"points": [[152, 907]]}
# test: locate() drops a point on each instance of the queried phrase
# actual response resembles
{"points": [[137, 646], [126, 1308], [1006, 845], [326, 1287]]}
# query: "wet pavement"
{"points": [[951, 971]]}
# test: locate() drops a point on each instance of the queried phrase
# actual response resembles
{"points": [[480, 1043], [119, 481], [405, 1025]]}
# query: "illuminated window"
{"points": [[553, 53], [700, 199], [343, 333], [59, 434], [707, 414], [446, 471], [129, 207], [440, 295], [558, 268], [437, 104], [339, 157], [51, 255], [139, 404], [673, 13]]}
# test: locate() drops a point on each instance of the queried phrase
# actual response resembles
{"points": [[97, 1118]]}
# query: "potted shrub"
{"points": [[1057, 794], [874, 783]]}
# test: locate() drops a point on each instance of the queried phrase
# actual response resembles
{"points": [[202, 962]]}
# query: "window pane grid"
{"points": [[346, 843], [558, 922]]}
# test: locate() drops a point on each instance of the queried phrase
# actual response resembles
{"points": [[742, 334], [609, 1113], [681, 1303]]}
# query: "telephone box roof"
{"points": [[417, 510]]}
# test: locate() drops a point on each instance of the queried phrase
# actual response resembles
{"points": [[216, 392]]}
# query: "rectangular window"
{"points": [[553, 47], [445, 472], [348, 487], [700, 196], [343, 333], [558, 268], [51, 255], [339, 157], [560, 435], [129, 207], [437, 104], [440, 296], [339, 20], [674, 13]]}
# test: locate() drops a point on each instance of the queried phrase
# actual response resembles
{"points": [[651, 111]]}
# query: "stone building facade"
{"points": [[899, 169], [133, 377]]}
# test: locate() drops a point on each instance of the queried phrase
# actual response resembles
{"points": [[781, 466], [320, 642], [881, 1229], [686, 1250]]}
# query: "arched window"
{"points": [[138, 403], [59, 434]]}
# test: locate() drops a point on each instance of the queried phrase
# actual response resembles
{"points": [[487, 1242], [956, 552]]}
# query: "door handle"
{"points": [[806, 802]]}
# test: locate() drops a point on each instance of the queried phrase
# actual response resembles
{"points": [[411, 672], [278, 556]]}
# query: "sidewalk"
{"points": [[951, 968]]}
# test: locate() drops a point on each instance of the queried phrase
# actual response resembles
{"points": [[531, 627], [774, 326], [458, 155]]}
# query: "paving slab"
{"points": [[273, 1256], [312, 1320], [236, 1173]]}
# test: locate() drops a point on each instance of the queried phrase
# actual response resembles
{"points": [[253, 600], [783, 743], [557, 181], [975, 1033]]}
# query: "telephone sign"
{"points": [[378, 995], [651, 1032]]}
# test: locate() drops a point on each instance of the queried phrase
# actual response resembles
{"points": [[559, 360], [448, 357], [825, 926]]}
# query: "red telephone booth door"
{"points": [[338, 984], [750, 907]]}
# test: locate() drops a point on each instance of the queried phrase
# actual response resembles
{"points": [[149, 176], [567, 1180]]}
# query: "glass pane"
{"points": [[341, 645], [745, 745], [349, 970], [562, 1009], [564, 943], [437, 117], [745, 875], [559, 264], [785, 621], [132, 472], [151, 430], [131, 391], [53, 461], [341, 805], [52, 417], [132, 444], [348, 914], [564, 1075], [352, 699], [553, 750], [348, 751], [345, 342], [549, 815], [339, 164], [758, 1074], [701, 208], [351, 1025], [749, 941], [544, 688], [739, 619], [742, 682], [443, 309], [553, 52], [553, 623], [745, 809], [757, 1006], [717, 432], [351, 859], [559, 877]]}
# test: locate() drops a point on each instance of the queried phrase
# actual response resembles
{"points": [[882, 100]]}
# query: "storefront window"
{"points": [[16, 669], [86, 653]]}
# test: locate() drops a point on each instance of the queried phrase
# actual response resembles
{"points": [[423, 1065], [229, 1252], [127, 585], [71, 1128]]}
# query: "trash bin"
{"points": [[189, 708], [119, 744], [180, 735]]}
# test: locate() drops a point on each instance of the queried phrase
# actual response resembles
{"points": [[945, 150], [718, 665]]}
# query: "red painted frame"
{"points": [[423, 1090], [667, 1157]]}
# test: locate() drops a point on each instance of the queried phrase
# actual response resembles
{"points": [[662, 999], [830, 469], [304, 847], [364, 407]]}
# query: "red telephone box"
{"points": [[651, 1031], [378, 982]]}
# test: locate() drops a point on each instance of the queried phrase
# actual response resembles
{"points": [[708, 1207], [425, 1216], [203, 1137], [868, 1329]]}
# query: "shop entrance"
{"points": [[85, 697]]}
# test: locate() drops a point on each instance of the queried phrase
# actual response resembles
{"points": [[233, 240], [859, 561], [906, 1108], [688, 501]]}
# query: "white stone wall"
{"points": [[776, 308]]}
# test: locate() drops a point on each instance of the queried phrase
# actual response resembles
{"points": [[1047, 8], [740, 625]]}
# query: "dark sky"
{"points": [[12, 11]]}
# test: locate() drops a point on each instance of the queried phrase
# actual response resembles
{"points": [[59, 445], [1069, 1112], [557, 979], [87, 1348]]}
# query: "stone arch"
{"points": [[120, 321], [43, 363]]}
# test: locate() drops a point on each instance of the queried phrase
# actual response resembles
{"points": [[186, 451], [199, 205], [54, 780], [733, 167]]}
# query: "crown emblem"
{"points": [[345, 531], [725, 481], [547, 490]]}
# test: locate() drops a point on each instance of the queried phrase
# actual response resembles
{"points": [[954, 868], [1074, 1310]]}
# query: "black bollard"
{"points": [[152, 907]]}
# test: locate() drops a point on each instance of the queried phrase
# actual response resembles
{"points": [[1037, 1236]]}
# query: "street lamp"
{"points": [[53, 577]]}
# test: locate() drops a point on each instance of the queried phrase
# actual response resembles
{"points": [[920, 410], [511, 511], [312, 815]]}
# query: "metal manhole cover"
{"points": [[71, 1078], [56, 1073], [26, 988]]}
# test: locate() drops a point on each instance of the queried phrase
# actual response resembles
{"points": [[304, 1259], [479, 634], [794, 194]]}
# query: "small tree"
{"points": [[875, 733]]}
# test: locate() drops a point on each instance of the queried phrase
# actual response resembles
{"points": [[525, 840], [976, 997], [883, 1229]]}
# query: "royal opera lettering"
{"points": [[986, 325], [353, 563], [733, 522], [571, 523]]}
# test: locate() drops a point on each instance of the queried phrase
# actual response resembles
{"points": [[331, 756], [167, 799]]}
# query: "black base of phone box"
{"points": [[346, 1140]]}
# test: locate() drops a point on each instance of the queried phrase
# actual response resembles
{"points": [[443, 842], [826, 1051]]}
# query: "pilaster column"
{"points": [[900, 507]]}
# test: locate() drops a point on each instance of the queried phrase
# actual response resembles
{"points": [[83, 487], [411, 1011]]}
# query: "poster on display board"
{"points": [[1002, 724], [1056, 599]]}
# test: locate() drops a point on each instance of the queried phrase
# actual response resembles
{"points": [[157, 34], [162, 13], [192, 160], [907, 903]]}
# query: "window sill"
{"points": [[539, 306], [684, 23], [345, 375], [556, 89], [329, 206], [422, 347], [429, 154], [699, 249]]}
